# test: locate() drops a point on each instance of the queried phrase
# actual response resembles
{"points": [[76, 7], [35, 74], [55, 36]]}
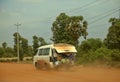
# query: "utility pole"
{"points": [[18, 54]]}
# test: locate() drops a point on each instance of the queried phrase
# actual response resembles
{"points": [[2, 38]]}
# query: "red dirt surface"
{"points": [[12, 72]]}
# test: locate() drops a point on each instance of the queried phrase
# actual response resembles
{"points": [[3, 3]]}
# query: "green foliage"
{"points": [[35, 44], [4, 44], [68, 29], [7, 52], [42, 41], [90, 44], [1, 52], [24, 49], [103, 54], [15, 35], [23, 45], [113, 37], [30, 51], [93, 51], [115, 55]]}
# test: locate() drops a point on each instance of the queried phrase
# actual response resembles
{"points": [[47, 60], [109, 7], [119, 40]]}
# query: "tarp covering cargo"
{"points": [[64, 48]]}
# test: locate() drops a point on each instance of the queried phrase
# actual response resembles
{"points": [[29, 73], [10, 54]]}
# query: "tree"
{"points": [[4, 45], [15, 40], [35, 44], [6, 51], [30, 51], [68, 29], [42, 41], [112, 40], [16, 35], [9, 52], [38, 41], [91, 44], [1, 52], [23, 45]]}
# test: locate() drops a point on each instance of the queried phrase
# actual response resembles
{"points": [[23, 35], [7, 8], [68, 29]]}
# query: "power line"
{"points": [[86, 5], [76, 10], [107, 11], [73, 10], [102, 17], [68, 11]]}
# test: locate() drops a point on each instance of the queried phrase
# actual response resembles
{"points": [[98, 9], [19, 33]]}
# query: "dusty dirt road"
{"points": [[11, 72]]}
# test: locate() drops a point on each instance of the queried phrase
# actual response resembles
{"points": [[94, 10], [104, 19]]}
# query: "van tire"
{"points": [[41, 64], [37, 65]]}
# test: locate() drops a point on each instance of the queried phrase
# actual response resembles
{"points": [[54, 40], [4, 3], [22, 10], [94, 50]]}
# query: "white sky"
{"points": [[36, 16]]}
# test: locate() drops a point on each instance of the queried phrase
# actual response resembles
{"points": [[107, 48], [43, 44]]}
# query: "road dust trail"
{"points": [[12, 72]]}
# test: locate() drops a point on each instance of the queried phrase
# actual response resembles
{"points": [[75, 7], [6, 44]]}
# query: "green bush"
{"points": [[115, 55], [103, 54], [100, 55]]}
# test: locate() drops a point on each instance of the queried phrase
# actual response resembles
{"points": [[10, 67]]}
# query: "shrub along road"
{"points": [[12, 72]]}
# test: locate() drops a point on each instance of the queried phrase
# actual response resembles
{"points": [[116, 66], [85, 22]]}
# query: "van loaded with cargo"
{"points": [[53, 55]]}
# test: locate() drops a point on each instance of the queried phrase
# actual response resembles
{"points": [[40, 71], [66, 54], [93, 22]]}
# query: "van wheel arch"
{"points": [[41, 64]]}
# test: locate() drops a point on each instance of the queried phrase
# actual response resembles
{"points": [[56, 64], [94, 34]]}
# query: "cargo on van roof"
{"points": [[64, 48]]}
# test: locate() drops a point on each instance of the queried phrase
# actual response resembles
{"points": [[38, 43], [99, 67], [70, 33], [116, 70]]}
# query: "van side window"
{"points": [[44, 51], [40, 52]]}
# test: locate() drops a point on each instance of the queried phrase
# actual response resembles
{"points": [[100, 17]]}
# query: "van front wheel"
{"points": [[37, 65]]}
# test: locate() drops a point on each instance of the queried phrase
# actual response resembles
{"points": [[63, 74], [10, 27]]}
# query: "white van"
{"points": [[54, 55]]}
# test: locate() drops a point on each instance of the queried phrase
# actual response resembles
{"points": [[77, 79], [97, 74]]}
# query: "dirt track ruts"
{"points": [[12, 72]]}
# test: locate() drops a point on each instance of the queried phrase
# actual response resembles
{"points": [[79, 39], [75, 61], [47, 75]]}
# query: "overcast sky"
{"points": [[36, 16]]}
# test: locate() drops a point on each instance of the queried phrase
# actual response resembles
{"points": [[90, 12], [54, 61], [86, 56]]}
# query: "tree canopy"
{"points": [[4, 44], [91, 44], [68, 29], [112, 40], [37, 42], [23, 45]]}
